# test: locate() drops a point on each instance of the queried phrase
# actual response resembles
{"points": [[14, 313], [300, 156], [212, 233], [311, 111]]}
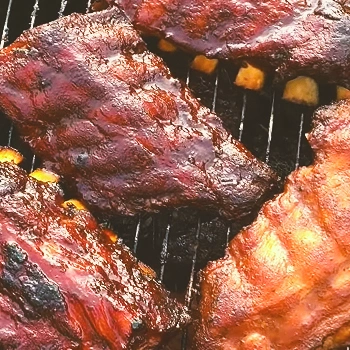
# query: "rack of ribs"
{"points": [[103, 112], [284, 282], [289, 37], [67, 283]]}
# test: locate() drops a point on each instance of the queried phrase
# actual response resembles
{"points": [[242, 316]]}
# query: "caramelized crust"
{"points": [[104, 113], [285, 280], [291, 37], [64, 284]]}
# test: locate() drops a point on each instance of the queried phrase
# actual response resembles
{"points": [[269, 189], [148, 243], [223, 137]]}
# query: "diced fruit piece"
{"points": [[74, 203], [8, 154], [44, 175], [110, 234], [204, 64], [250, 77], [302, 90], [342, 93], [166, 46]]}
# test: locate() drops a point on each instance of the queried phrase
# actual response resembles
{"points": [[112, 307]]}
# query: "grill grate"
{"points": [[208, 89]]}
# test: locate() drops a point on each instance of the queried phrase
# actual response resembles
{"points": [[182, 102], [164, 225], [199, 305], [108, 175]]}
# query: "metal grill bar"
{"points": [[188, 297], [5, 30], [164, 252], [88, 6], [194, 261], [34, 14], [241, 125], [10, 135], [188, 76], [32, 166], [270, 129], [299, 140], [213, 107], [62, 8], [137, 233], [228, 233]]}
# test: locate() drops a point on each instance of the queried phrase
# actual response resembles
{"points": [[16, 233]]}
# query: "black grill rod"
{"points": [[213, 106], [5, 30], [34, 14], [62, 8], [228, 233], [137, 234], [301, 125], [188, 77], [164, 252], [269, 138], [188, 297], [88, 6], [241, 125]]}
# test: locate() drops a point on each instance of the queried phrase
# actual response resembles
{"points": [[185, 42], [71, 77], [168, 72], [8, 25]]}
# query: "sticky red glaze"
{"points": [[292, 37], [285, 280], [104, 112], [64, 284]]}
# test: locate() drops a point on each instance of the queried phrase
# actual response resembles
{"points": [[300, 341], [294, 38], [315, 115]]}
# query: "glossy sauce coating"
{"points": [[64, 284], [285, 280], [291, 37], [104, 113]]}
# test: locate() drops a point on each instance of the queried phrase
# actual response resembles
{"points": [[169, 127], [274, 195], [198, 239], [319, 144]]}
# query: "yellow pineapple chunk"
{"points": [[301, 90], [44, 175], [166, 46], [8, 154], [342, 93], [111, 235], [204, 64], [250, 77], [74, 203], [147, 271]]}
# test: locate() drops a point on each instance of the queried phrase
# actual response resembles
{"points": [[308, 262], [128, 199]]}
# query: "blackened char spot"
{"points": [[24, 279]]}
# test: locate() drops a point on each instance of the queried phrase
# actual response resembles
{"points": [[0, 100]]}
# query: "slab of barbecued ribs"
{"points": [[285, 280], [105, 113], [291, 37], [65, 282]]}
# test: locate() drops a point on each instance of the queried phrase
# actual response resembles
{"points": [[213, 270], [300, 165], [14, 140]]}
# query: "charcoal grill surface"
{"points": [[271, 128]]}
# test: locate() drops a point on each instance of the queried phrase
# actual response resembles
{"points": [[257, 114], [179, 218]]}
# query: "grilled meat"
{"points": [[104, 112], [285, 280], [290, 37], [67, 283]]}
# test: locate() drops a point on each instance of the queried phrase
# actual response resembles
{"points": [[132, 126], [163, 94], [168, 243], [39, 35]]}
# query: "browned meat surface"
{"points": [[291, 37], [285, 280], [104, 112], [64, 284]]}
